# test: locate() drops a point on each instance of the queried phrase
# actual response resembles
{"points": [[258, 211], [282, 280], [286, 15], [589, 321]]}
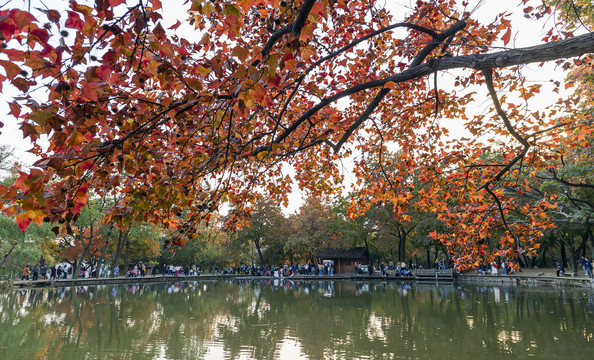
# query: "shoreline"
{"points": [[528, 277], [526, 280]]}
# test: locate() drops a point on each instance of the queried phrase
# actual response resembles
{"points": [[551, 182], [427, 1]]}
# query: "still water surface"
{"points": [[242, 319]]}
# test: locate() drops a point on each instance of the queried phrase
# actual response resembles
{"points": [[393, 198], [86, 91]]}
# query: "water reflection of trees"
{"points": [[319, 319]]}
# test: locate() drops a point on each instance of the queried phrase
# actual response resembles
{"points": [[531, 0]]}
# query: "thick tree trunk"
{"points": [[367, 248], [103, 252], [543, 261], [79, 262], [101, 257], [563, 254], [436, 252], [574, 253], [6, 256], [591, 235], [122, 239], [581, 251], [126, 257], [257, 244], [402, 245]]}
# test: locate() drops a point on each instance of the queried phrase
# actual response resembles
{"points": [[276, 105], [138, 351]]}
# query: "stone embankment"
{"points": [[528, 277], [160, 278]]}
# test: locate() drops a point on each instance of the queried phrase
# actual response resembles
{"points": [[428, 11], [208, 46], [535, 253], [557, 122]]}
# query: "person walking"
{"points": [[26, 272], [584, 264], [53, 272], [35, 272], [589, 268]]}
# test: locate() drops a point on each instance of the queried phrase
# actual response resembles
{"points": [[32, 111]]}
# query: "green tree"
{"points": [[263, 229]]}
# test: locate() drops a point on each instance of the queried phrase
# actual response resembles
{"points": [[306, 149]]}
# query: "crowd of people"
{"points": [[42, 272], [287, 270], [325, 268], [495, 268], [399, 270]]}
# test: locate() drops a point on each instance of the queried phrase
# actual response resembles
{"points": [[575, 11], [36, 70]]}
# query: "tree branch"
{"points": [[368, 111], [565, 182], [566, 48], [489, 80], [294, 28]]}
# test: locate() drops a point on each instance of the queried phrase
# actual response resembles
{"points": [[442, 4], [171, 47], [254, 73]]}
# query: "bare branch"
{"points": [[489, 80]]}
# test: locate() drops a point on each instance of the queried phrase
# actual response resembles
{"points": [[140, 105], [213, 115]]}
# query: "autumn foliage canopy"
{"points": [[240, 98]]}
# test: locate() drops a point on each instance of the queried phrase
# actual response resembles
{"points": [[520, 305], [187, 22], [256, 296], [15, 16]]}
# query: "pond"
{"points": [[282, 319]]}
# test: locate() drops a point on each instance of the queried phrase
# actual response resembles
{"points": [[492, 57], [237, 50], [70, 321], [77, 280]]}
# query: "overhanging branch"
{"points": [[566, 48]]}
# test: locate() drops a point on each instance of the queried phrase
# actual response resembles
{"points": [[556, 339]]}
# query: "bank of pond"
{"points": [[266, 318], [418, 275]]}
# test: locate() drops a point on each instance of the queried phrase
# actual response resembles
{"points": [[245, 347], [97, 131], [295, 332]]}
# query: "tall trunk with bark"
{"points": [[543, 261], [591, 236], [401, 243], [86, 246], [436, 252], [126, 256], [257, 244], [563, 254], [581, 250], [367, 248], [122, 239], [102, 256], [6, 256]]}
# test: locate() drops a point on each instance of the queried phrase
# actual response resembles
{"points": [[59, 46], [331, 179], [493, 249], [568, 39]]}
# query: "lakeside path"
{"points": [[528, 277]]}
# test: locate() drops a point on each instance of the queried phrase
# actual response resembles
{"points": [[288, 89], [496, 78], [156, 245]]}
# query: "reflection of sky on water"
{"points": [[282, 318]]}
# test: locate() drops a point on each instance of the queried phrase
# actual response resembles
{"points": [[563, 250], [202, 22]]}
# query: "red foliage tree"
{"points": [[170, 121]]}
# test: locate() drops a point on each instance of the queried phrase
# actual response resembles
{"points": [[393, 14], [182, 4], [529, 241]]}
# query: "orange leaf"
{"points": [[506, 37], [156, 4], [21, 18], [36, 216], [175, 26], [11, 69]]}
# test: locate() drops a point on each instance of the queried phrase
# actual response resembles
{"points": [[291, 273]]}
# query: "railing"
{"points": [[449, 271], [434, 275]]}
